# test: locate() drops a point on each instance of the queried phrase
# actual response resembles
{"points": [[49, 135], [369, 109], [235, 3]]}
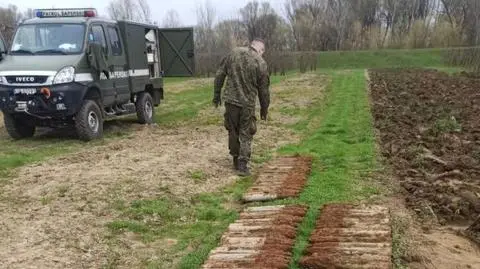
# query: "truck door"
{"points": [[97, 35], [118, 65], [177, 52]]}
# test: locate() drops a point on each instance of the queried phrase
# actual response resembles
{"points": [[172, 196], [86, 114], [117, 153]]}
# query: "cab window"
{"points": [[48, 38], [97, 35], [115, 43]]}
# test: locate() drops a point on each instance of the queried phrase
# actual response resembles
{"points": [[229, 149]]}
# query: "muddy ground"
{"points": [[53, 214], [429, 130]]}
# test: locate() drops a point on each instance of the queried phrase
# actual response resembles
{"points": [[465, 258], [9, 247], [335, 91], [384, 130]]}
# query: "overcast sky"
{"points": [[185, 8]]}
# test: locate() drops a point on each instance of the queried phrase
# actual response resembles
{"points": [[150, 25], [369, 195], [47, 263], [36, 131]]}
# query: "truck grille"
{"points": [[26, 79]]}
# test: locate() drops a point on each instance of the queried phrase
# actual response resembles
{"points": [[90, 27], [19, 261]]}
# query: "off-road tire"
{"points": [[89, 121], [145, 108], [18, 128]]}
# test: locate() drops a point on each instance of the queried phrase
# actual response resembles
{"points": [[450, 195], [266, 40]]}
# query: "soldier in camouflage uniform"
{"points": [[247, 77]]}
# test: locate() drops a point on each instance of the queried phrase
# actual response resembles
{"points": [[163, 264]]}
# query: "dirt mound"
{"points": [[429, 130], [348, 236]]}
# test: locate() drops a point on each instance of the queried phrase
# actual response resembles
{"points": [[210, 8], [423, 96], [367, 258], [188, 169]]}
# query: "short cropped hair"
{"points": [[259, 40]]}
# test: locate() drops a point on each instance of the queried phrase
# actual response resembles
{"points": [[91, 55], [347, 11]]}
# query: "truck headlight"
{"points": [[65, 75]]}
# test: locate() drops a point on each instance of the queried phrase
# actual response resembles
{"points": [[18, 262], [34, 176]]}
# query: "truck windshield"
{"points": [[54, 38]]}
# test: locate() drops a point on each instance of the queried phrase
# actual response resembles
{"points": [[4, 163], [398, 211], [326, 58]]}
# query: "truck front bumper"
{"points": [[64, 100]]}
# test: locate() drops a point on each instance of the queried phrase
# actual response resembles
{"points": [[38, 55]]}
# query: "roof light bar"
{"points": [[67, 12]]}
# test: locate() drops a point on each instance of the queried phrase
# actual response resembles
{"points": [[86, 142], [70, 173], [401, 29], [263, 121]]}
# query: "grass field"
{"points": [[423, 58], [337, 133], [343, 147], [335, 129], [178, 108]]}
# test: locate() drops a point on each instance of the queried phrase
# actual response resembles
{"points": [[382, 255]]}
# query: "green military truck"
{"points": [[70, 68]]}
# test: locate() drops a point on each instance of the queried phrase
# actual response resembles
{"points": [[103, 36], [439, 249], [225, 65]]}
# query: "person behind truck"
{"points": [[248, 77]]}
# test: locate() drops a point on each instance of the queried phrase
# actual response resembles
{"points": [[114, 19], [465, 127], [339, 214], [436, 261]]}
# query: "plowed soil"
{"points": [[348, 236], [262, 238], [429, 128], [281, 178]]}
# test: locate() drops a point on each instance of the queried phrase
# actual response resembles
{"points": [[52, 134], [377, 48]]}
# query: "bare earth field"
{"points": [[53, 214], [428, 129]]}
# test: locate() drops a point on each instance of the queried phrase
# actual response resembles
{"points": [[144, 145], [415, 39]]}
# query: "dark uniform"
{"points": [[247, 77]]}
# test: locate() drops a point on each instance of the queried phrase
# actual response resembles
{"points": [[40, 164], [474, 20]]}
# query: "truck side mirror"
{"points": [[97, 59]]}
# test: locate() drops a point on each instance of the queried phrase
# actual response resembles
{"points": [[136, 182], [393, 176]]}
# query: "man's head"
{"points": [[259, 45]]}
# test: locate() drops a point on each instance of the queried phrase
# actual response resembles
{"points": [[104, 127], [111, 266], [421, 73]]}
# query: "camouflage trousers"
{"points": [[242, 126]]}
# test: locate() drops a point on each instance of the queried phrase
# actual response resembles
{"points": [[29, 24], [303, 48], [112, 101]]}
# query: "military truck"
{"points": [[71, 68]]}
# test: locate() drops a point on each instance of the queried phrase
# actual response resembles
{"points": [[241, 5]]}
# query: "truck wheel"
{"points": [[18, 128], [89, 121], [144, 106]]}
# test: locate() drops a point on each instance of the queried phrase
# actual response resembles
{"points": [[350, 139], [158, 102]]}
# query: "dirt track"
{"points": [[53, 214]]}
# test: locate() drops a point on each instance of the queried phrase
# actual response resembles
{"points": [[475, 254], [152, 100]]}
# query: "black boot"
{"points": [[243, 170], [235, 162]]}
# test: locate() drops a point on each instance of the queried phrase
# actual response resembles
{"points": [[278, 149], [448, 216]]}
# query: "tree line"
{"points": [[308, 26], [322, 25]]}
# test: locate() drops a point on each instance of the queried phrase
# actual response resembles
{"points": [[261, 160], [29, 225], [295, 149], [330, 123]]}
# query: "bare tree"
{"points": [[205, 35], [10, 17], [230, 33], [261, 20], [205, 39], [131, 10], [172, 19], [145, 10], [317, 25]]}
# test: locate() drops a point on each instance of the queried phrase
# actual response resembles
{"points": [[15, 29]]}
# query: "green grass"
{"points": [[184, 106], [338, 134], [342, 145], [177, 108], [14, 153], [196, 224], [198, 176], [400, 241], [382, 58], [172, 80]]}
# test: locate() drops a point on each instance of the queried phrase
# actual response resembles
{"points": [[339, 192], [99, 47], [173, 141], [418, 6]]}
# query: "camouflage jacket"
{"points": [[247, 77]]}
